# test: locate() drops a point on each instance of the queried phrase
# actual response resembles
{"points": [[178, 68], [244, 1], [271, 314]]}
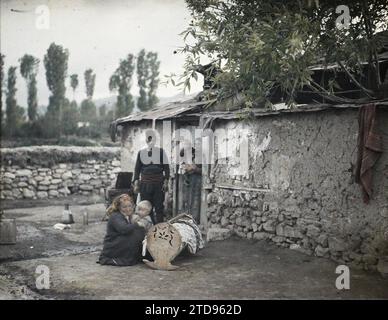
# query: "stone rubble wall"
{"points": [[300, 191], [53, 172]]}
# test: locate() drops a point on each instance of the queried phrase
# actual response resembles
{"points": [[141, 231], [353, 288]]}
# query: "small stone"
{"points": [[245, 222], [322, 240], [214, 234], [239, 221], [270, 226], [278, 239], [32, 182], [336, 244], [257, 213], [9, 175], [7, 181], [86, 187], [6, 187], [28, 194], [53, 193], [294, 246], [320, 251], [67, 175], [224, 222], [84, 177], [42, 194], [22, 184], [116, 163], [240, 233], [96, 182], [89, 170], [24, 173], [64, 191], [280, 229], [7, 194], [313, 231], [45, 182], [290, 232], [17, 194], [260, 235]]}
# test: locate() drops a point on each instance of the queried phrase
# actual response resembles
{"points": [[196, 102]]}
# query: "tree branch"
{"points": [[324, 93], [368, 92]]}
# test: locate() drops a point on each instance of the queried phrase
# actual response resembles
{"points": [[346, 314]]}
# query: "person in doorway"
{"points": [[153, 171], [192, 183], [123, 240]]}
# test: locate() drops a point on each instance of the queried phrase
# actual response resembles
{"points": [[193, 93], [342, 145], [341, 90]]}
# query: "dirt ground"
{"points": [[230, 269]]}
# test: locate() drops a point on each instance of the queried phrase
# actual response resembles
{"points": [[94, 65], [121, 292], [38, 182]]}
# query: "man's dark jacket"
{"points": [[151, 162]]}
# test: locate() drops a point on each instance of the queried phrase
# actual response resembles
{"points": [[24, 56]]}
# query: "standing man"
{"points": [[153, 170]]}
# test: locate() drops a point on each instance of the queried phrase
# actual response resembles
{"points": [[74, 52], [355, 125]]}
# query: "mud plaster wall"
{"points": [[306, 197], [54, 172]]}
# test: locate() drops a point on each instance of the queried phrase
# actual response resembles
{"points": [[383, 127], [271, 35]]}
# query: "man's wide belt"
{"points": [[152, 178]]}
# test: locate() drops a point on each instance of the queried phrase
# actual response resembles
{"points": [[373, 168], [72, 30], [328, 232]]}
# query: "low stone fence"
{"points": [[53, 171]]}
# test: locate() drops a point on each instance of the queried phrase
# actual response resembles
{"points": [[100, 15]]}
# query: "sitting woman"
{"points": [[123, 240]]}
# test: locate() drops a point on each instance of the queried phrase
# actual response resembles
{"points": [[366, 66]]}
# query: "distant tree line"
{"points": [[64, 117], [147, 67]]}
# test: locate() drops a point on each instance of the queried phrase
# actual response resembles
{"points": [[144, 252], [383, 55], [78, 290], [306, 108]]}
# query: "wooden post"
{"points": [[175, 172], [204, 187]]}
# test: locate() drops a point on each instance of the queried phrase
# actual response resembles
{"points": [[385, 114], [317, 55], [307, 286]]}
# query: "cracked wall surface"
{"points": [[299, 191]]}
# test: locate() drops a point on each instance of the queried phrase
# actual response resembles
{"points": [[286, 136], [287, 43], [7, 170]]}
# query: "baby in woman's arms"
{"points": [[142, 215]]}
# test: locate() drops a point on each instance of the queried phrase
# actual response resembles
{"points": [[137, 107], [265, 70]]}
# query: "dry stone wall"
{"points": [[52, 172]]}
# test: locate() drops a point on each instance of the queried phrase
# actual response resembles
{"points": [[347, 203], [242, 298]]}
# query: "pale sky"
{"points": [[98, 34]]}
